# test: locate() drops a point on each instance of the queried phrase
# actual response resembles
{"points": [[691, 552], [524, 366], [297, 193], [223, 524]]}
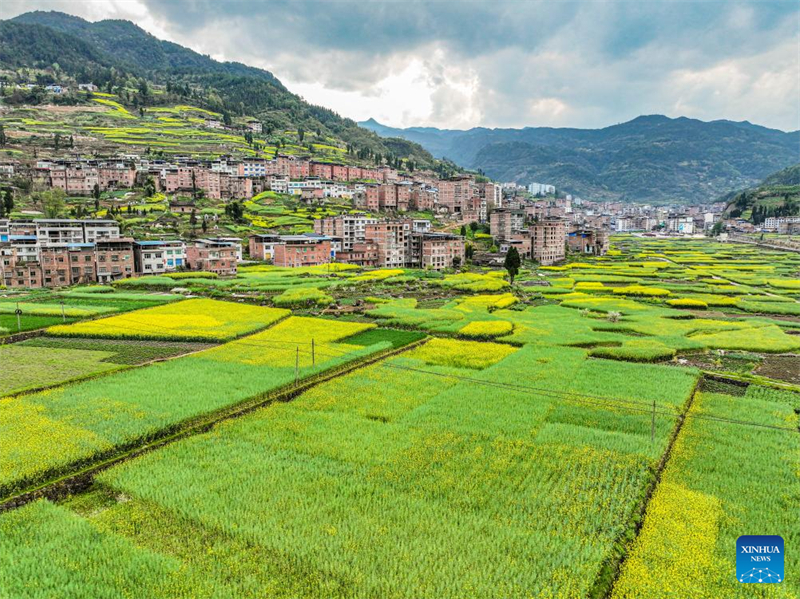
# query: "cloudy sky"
{"points": [[497, 63]]}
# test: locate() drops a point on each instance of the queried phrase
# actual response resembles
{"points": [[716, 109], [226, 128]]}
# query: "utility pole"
{"points": [[313, 353], [19, 321], [63, 314], [297, 366]]}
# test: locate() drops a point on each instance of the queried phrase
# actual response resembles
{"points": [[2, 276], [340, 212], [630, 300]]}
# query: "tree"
{"points": [[204, 225], [150, 187], [512, 263], [469, 251], [96, 191], [51, 202], [3, 138], [301, 134], [8, 202], [716, 229], [473, 226], [463, 230], [456, 261]]}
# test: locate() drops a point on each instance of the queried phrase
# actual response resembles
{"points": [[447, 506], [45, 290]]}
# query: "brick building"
{"points": [[212, 256]]}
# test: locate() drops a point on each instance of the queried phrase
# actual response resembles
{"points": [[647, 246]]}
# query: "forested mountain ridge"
{"points": [[119, 55], [778, 195], [650, 158]]}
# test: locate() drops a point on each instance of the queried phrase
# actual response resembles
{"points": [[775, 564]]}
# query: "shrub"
{"points": [[302, 296], [486, 329], [687, 303], [642, 290], [461, 354], [639, 350]]}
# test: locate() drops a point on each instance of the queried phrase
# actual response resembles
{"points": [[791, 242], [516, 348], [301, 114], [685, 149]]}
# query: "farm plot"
{"points": [[194, 320], [51, 431], [406, 478], [722, 481], [637, 331], [46, 361]]}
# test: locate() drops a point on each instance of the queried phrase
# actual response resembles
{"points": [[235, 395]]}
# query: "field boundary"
{"points": [[77, 480], [610, 569]]}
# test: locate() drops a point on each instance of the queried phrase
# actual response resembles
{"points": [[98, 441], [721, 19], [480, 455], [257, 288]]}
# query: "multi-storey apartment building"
{"points": [[57, 230], [504, 222], [114, 259], [588, 241], [548, 240], [262, 246], [440, 250], [455, 193], [391, 238], [212, 256], [302, 250], [158, 256], [352, 228]]}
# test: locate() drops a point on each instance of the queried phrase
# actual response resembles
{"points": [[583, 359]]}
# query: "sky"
{"points": [[496, 63]]}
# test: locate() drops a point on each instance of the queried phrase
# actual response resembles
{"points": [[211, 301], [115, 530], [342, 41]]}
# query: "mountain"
{"points": [[777, 195], [651, 158], [110, 53]]}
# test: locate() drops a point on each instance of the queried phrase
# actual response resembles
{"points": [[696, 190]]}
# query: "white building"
{"points": [[774, 223], [52, 231], [681, 224], [541, 188], [157, 257]]}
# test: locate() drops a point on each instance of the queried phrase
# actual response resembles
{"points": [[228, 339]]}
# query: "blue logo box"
{"points": [[759, 559]]}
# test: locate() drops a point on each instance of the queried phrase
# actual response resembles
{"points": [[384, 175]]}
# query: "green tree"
{"points": [[463, 230], [52, 202], [3, 138], [150, 187], [512, 263], [8, 201]]}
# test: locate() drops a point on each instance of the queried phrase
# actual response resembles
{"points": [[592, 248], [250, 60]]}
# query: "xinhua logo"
{"points": [[759, 559]]}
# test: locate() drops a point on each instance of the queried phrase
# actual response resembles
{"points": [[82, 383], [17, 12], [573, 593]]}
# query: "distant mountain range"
{"points": [[115, 52], [651, 158]]}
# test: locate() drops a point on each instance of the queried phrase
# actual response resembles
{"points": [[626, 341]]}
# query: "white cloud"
{"points": [[497, 63]]}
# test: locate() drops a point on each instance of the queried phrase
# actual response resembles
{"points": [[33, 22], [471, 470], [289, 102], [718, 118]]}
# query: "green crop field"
{"points": [[602, 428], [46, 361], [49, 431]]}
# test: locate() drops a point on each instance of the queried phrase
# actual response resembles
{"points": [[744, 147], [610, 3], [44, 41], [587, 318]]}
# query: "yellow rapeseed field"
{"points": [[196, 319]]}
